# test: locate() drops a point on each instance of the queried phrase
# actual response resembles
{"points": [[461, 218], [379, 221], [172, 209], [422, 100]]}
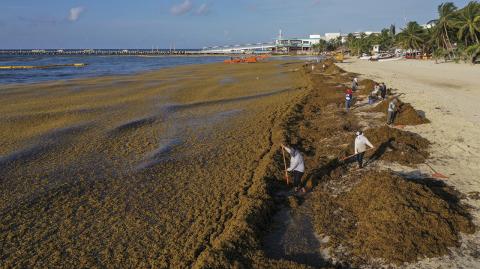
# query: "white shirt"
{"points": [[392, 106], [361, 143], [296, 161]]}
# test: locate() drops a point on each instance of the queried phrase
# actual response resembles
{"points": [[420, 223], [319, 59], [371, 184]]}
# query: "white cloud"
{"points": [[182, 8], [75, 13], [203, 9]]}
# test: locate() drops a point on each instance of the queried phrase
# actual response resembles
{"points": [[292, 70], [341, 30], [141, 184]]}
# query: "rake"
{"points": [[436, 174], [353, 155], [285, 164]]}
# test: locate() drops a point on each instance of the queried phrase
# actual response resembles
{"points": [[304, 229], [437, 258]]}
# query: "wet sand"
{"points": [[135, 171]]}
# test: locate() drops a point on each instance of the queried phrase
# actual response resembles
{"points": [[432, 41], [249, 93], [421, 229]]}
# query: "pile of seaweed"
{"points": [[406, 114], [387, 217], [366, 86], [332, 69], [395, 145]]}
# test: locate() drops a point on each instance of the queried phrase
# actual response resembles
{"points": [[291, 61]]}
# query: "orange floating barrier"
{"points": [[250, 60]]}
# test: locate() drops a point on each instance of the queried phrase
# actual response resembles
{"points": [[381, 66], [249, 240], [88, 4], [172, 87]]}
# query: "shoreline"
{"points": [[243, 200], [54, 80]]}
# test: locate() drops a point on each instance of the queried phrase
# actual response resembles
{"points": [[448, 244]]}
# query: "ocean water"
{"points": [[96, 66]]}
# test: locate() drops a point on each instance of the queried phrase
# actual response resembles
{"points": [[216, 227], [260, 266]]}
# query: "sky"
{"points": [[64, 24]]}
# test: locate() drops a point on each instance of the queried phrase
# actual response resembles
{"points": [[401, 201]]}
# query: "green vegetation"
{"points": [[454, 35]]}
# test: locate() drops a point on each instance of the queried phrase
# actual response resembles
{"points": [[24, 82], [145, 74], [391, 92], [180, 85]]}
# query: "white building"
{"points": [[331, 36], [428, 25], [367, 33], [297, 44]]}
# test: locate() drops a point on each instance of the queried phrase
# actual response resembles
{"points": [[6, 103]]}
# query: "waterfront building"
{"points": [[296, 44], [331, 36]]}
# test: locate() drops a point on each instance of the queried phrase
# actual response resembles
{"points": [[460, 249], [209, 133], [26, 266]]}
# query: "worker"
{"points": [[383, 90], [297, 166], [355, 84], [392, 111], [348, 99], [374, 94], [361, 143]]}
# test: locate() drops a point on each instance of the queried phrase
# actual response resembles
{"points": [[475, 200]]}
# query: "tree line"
{"points": [[454, 35]]}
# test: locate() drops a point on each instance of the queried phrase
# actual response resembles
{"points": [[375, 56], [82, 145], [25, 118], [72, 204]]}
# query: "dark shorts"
{"points": [[297, 178], [360, 159]]}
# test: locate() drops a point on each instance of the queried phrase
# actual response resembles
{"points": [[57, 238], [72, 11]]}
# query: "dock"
{"points": [[99, 52]]}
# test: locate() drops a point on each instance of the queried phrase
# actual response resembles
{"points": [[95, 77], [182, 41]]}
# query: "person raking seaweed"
{"points": [[297, 166], [383, 90], [392, 111], [355, 84], [361, 143], [348, 99], [374, 94]]}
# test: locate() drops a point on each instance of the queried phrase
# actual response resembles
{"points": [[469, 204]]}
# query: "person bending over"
{"points": [[297, 165]]}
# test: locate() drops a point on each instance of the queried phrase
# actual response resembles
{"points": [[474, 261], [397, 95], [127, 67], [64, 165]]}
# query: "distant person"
{"points": [[355, 84], [361, 143], [374, 94], [297, 166], [383, 90], [392, 111], [372, 97], [324, 67], [348, 99]]}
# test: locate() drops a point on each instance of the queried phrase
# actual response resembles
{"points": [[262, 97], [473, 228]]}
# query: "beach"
{"points": [[182, 168], [445, 93], [395, 212]]}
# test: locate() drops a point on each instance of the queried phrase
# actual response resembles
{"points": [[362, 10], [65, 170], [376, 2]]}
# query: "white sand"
{"points": [[449, 95]]}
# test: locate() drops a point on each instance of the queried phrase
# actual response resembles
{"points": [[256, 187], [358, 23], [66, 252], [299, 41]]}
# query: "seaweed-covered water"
{"points": [[96, 66]]}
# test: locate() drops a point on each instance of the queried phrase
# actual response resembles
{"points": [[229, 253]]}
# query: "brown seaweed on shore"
{"points": [[406, 114], [366, 86], [370, 217], [391, 218], [396, 145]]}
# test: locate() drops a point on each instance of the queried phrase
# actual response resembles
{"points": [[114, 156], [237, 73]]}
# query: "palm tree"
{"points": [[385, 39], [468, 23], [444, 23], [321, 46], [473, 52], [412, 37]]}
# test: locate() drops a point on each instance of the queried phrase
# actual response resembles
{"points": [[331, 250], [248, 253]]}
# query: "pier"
{"points": [[100, 52]]}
